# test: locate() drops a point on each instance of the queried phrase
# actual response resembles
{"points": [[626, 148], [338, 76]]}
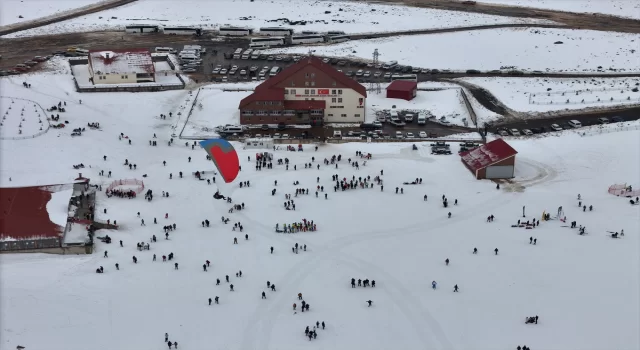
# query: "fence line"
{"points": [[39, 133], [599, 131], [195, 99], [584, 101], [127, 182], [623, 190]]}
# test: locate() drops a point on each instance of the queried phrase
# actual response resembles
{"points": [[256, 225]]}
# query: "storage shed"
{"points": [[404, 89], [494, 160]]}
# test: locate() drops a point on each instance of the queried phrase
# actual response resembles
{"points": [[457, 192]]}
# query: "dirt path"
{"points": [[570, 19], [63, 16]]}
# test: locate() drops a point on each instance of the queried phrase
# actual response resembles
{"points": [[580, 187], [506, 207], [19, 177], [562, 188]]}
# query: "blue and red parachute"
{"points": [[224, 156]]}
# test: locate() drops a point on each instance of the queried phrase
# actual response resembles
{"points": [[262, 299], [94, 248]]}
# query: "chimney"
{"points": [[79, 175]]}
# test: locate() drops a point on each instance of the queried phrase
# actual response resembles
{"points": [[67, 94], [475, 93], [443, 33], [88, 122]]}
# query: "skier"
{"points": [[209, 301], [373, 283], [369, 302], [216, 300], [175, 266], [322, 324], [449, 215], [105, 254], [475, 250], [447, 262], [231, 287], [273, 287], [117, 266], [264, 296], [217, 281], [166, 337], [496, 250], [433, 285], [455, 288], [227, 276], [121, 243], [169, 343], [135, 260], [299, 294], [204, 267], [271, 250]]}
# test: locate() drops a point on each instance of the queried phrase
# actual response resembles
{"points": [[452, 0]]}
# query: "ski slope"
{"points": [[584, 288]]}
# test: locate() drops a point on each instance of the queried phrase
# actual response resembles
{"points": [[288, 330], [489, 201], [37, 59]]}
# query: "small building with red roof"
{"points": [[493, 160], [127, 66], [403, 89], [307, 92]]}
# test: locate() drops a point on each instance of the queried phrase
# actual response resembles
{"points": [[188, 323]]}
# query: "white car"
{"points": [[223, 71], [285, 136], [276, 135], [423, 134], [243, 72], [216, 71], [556, 127], [367, 74], [399, 135], [527, 132], [410, 135], [514, 132]]}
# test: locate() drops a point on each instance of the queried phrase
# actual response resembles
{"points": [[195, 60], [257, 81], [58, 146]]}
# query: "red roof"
{"points": [[263, 91], [488, 154], [402, 85], [304, 104], [24, 214]]}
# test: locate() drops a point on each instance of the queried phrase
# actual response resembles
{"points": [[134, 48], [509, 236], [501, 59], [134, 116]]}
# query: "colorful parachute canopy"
{"points": [[224, 156]]}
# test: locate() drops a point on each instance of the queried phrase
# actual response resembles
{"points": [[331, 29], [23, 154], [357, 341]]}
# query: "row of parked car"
{"points": [[25, 66], [571, 124]]}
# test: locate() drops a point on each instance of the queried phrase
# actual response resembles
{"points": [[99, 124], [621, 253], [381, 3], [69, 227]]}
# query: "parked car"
{"points": [[367, 74], [423, 134], [387, 75], [216, 71], [359, 73], [556, 127], [276, 135], [30, 63], [617, 120], [603, 120], [285, 136], [193, 70], [377, 74], [514, 132], [264, 127], [410, 135], [399, 135], [503, 132], [270, 58], [223, 71], [527, 132], [349, 73]]}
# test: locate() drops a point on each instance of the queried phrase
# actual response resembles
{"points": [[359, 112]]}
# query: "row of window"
{"points": [[311, 83], [269, 103], [344, 115], [311, 91], [263, 112], [102, 77]]}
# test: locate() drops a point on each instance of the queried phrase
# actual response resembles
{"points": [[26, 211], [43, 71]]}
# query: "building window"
{"points": [[329, 115], [293, 83], [306, 92], [306, 83], [313, 92], [313, 83], [288, 112], [333, 100], [340, 100], [306, 75], [313, 75], [357, 115], [343, 115], [333, 92], [286, 92], [261, 112], [339, 92], [333, 84], [293, 91], [278, 113]]}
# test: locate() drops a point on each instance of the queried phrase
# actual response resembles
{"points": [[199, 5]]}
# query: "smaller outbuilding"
{"points": [[494, 160], [403, 89]]}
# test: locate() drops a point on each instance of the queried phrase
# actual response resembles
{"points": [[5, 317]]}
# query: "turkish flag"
{"points": [[323, 91]]}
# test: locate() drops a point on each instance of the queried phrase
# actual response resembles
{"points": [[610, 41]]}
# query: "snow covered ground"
{"points": [[536, 94], [58, 207], [620, 8], [351, 17], [526, 49], [584, 288], [21, 118], [11, 10]]}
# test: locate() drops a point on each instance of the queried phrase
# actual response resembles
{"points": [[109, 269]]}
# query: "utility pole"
{"points": [[375, 82]]}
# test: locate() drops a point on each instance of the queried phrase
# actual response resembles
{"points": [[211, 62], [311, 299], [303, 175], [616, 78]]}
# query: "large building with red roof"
{"points": [[494, 160], [307, 92], [129, 66]]}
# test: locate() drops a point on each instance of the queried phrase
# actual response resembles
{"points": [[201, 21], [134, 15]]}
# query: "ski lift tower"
{"points": [[375, 82]]}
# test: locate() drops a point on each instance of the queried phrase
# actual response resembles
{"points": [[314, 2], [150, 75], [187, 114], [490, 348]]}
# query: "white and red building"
{"points": [[493, 160], [307, 92], [128, 66]]}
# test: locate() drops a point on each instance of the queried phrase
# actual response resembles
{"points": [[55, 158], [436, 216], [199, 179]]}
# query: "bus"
{"points": [[235, 31], [141, 28], [237, 53], [255, 54], [335, 32], [269, 31], [258, 46], [182, 31], [307, 39], [338, 38], [246, 54], [274, 71], [408, 77], [165, 50], [271, 41]]}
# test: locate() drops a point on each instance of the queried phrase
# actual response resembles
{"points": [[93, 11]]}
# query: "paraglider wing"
{"points": [[224, 156]]}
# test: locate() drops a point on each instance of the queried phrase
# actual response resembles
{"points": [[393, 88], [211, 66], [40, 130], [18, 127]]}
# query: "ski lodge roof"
{"points": [[121, 61], [402, 85], [24, 213], [487, 154]]}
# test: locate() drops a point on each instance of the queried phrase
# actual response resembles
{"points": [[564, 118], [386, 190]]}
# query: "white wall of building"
{"points": [[353, 111], [119, 78]]}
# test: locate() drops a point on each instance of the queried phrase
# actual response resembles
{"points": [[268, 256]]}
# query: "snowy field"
{"points": [[11, 10], [620, 8], [584, 288], [21, 118], [351, 17], [536, 94], [524, 49]]}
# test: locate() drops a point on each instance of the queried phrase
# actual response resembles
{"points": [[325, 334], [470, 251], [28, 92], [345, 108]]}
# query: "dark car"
{"points": [[262, 57], [398, 68], [287, 59], [282, 126], [617, 120], [333, 61], [264, 127], [536, 130], [370, 126]]}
